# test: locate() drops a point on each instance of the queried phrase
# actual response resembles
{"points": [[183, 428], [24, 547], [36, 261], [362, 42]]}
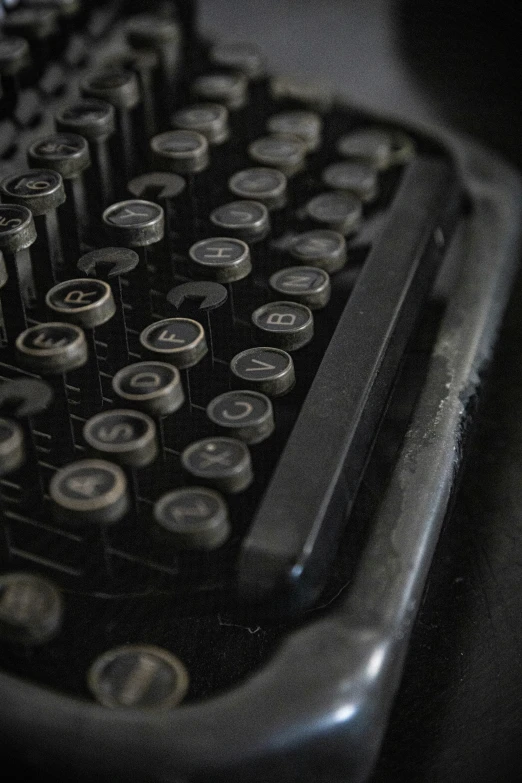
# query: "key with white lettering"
{"points": [[279, 151], [178, 341], [228, 88], [247, 220], [223, 463], [304, 284], [42, 192], [52, 350], [90, 491], [267, 370], [287, 325], [210, 119], [321, 248], [247, 415], [139, 225], [17, 234], [193, 518], [338, 210], [263, 184], [68, 155], [89, 303]]}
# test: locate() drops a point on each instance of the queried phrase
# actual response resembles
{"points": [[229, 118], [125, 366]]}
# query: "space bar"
{"points": [[296, 530]]}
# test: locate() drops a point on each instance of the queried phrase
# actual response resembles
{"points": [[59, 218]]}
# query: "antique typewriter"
{"points": [[243, 327]]}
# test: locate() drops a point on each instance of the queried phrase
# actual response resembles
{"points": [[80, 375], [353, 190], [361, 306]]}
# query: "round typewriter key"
{"points": [[52, 348], [246, 220], [31, 609], [322, 249], [17, 233], [210, 119], [86, 301], [306, 125], [222, 462], [371, 145], [268, 370], [304, 284], [238, 56], [280, 151], [288, 325], [180, 341], [353, 176], [195, 517], [66, 153], [342, 212], [128, 436], [181, 151], [12, 453], [138, 223], [227, 88], [265, 185], [225, 260], [248, 415], [89, 491], [155, 387], [139, 676]]}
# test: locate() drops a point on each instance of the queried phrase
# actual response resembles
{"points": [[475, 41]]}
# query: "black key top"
{"points": [[224, 463], [321, 248], [248, 220], [286, 325], [194, 518], [180, 151], [294, 533], [267, 370], [341, 212], [303, 284], [231, 89], [279, 151], [262, 184], [224, 260], [42, 192], [306, 125], [353, 176], [209, 119], [154, 387], [17, 234], [87, 492], [372, 145], [138, 676], [179, 341], [247, 415], [125, 436], [31, 609]]}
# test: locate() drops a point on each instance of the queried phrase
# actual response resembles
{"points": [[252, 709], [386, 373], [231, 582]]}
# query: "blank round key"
{"points": [[180, 151], [321, 248], [31, 609], [194, 517], [222, 462], [222, 259], [353, 176], [139, 676], [90, 491], [262, 184], [231, 89], [154, 387], [287, 325], [179, 341], [12, 452], [267, 370], [279, 151], [341, 212], [210, 119], [248, 415], [248, 220], [126, 436], [371, 145], [304, 284], [238, 56], [307, 125]]}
